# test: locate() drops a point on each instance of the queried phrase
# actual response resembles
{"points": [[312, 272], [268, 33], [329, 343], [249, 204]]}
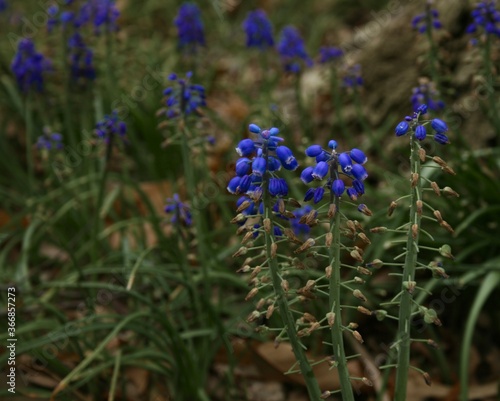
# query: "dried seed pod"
{"points": [[378, 230], [253, 316], [325, 394], [358, 280], [328, 240], [238, 218], [311, 217], [269, 312], [328, 271], [420, 206], [358, 226], [291, 236], [365, 210], [294, 202], [364, 238], [241, 230], [243, 206], [243, 250], [332, 210], [436, 188], [364, 270], [356, 255], [267, 225], [392, 207], [427, 378], [285, 285], [450, 192], [281, 205], [438, 216], [414, 179], [310, 285], [446, 226], [244, 269], [353, 326], [351, 226], [358, 336], [305, 246], [251, 293], [414, 231], [439, 161], [358, 294], [432, 343], [449, 170], [248, 236], [422, 154], [309, 318], [364, 310], [274, 250], [330, 317], [298, 264], [260, 304], [288, 214], [367, 382], [376, 263], [255, 272]]}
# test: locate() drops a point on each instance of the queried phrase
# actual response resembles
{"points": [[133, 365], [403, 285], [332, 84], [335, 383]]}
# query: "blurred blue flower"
{"points": [[352, 76], [426, 93], [110, 127], [28, 66], [50, 141], [333, 166], [80, 59], [190, 27], [3, 5], [330, 54], [292, 50], [486, 16], [259, 30], [183, 98], [419, 22], [101, 13], [180, 212]]}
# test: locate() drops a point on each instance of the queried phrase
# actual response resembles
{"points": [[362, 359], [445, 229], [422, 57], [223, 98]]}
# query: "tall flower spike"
{"points": [[49, 141], [111, 126], [426, 93], [419, 22], [330, 54], [102, 14], [183, 98], [259, 30], [485, 17], [29, 66], [80, 59], [190, 28], [292, 50]]}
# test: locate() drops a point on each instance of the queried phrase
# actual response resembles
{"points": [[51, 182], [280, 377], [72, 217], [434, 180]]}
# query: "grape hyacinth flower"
{"points": [[352, 77], [101, 13], [183, 98], [259, 30], [331, 166], [190, 27], [52, 20], [292, 50], [3, 5], [28, 66], [330, 54], [420, 21], [110, 127], [413, 125], [426, 93], [180, 212], [49, 141], [80, 59], [485, 16]]}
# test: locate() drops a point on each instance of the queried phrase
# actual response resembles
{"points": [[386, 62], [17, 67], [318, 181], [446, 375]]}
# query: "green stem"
{"points": [[433, 54], [403, 359], [281, 299], [493, 110], [337, 101], [334, 303], [29, 145], [304, 120]]}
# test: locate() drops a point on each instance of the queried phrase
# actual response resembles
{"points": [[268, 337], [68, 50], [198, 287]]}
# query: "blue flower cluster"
{"points": [[28, 66], [419, 22], [258, 158], [110, 126], [80, 59], [3, 5], [180, 212], [330, 54], [327, 166], [190, 27], [184, 98], [50, 141], [426, 93], [414, 126], [486, 16], [259, 30], [352, 77], [102, 14], [300, 229], [292, 50]]}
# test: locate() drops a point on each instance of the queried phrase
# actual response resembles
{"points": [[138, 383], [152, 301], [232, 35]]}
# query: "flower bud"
{"points": [[435, 187], [364, 209], [364, 310], [445, 251], [410, 285], [358, 294], [358, 336], [450, 192], [446, 226], [380, 314]]}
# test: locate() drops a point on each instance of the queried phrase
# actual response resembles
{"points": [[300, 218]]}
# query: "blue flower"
{"points": [[28, 66], [110, 127], [426, 93], [420, 132], [80, 59], [487, 17], [349, 164], [184, 98], [101, 13], [50, 141], [243, 166], [330, 54], [352, 77], [439, 125], [259, 30], [3, 5], [402, 128], [441, 138], [190, 27], [415, 126], [286, 158], [419, 22], [292, 50], [180, 212]]}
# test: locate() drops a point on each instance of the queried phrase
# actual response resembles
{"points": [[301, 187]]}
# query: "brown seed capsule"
{"points": [[305, 246], [358, 294], [243, 206], [260, 304], [414, 179], [356, 255], [328, 271], [310, 285], [446, 226], [325, 394], [358, 226], [288, 214], [364, 209], [364, 238], [358, 280], [241, 230], [314, 326], [439, 161], [274, 249], [309, 318], [358, 336], [281, 205], [311, 217], [294, 202], [291, 236], [238, 218], [269, 312], [256, 194], [427, 378], [438, 216], [414, 231], [420, 206], [285, 285], [330, 317], [255, 272], [378, 230], [364, 310], [376, 263], [244, 269], [351, 226], [449, 170], [435, 187], [251, 294], [450, 192], [422, 154], [248, 236], [367, 382], [353, 326], [332, 210], [432, 343], [328, 239], [392, 207], [243, 250], [267, 225], [253, 316], [364, 270], [298, 264]]}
